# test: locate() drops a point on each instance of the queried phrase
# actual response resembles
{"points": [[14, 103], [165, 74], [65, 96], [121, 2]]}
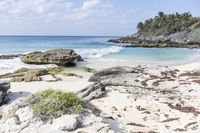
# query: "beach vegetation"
{"points": [[87, 69], [54, 70], [52, 104], [166, 24]]}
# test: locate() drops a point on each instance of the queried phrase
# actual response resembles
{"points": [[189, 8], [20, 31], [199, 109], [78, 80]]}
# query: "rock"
{"points": [[194, 35], [18, 117], [93, 91], [4, 86], [24, 114], [6, 57], [12, 125], [178, 39], [94, 124], [12, 121], [33, 126], [50, 78], [65, 123], [116, 76], [26, 79], [135, 80], [62, 57], [10, 109], [25, 74]]}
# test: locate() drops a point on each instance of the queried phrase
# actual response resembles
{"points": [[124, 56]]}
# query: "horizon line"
{"points": [[61, 35]]}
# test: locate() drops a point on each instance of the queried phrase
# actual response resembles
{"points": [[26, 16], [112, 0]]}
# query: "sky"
{"points": [[84, 17]]}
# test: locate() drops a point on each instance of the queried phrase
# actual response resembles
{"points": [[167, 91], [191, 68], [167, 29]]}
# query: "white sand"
{"points": [[75, 83], [189, 66], [69, 84], [120, 106], [99, 64]]}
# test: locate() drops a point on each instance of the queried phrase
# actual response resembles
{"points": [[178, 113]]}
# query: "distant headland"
{"points": [[166, 30]]}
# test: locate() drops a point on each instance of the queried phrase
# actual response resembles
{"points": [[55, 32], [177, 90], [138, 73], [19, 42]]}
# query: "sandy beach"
{"points": [[74, 83], [128, 112], [99, 66]]}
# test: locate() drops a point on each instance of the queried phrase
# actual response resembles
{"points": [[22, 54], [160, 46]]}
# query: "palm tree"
{"points": [[166, 24], [161, 14], [161, 17], [140, 26]]}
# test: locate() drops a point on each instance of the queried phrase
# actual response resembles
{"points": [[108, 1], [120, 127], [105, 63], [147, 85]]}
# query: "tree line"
{"points": [[166, 24]]}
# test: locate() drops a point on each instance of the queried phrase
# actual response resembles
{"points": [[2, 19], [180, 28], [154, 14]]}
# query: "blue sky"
{"points": [[83, 17]]}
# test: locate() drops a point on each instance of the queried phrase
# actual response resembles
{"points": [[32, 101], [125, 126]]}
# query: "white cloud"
{"points": [[54, 10], [88, 4], [44, 15], [30, 9], [48, 10], [92, 10]]}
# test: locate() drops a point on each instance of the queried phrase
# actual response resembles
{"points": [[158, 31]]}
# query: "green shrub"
{"points": [[58, 70], [53, 104]]}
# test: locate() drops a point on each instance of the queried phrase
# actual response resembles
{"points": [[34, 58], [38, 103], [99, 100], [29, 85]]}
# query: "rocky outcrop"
{"points": [[4, 86], [25, 74], [62, 57], [6, 57], [117, 76], [180, 40], [94, 91], [66, 123], [135, 79], [19, 117]]}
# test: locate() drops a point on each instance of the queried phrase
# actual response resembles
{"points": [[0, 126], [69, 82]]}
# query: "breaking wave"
{"points": [[14, 64], [98, 53]]}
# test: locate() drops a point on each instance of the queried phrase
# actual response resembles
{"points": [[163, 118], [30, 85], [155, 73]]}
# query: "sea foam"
{"points": [[98, 53], [14, 64]]}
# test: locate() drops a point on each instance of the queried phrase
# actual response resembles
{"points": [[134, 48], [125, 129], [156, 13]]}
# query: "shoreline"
{"points": [[149, 105], [74, 83], [100, 63], [97, 63]]}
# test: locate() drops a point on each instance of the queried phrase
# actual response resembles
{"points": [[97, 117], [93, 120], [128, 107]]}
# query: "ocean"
{"points": [[91, 47]]}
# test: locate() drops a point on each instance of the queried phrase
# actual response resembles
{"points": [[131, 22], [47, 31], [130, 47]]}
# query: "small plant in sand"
{"points": [[58, 70], [54, 70], [52, 104], [87, 69]]}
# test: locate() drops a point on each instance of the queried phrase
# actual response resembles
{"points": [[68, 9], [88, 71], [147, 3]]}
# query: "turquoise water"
{"points": [[23, 44], [163, 55], [94, 47]]}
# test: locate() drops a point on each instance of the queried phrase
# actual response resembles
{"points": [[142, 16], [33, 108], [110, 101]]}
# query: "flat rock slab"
{"points": [[62, 57], [94, 91], [7, 57], [49, 78]]}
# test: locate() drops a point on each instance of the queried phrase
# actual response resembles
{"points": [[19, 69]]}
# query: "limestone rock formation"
{"points": [[25, 74], [4, 86], [62, 57], [94, 91], [12, 56]]}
